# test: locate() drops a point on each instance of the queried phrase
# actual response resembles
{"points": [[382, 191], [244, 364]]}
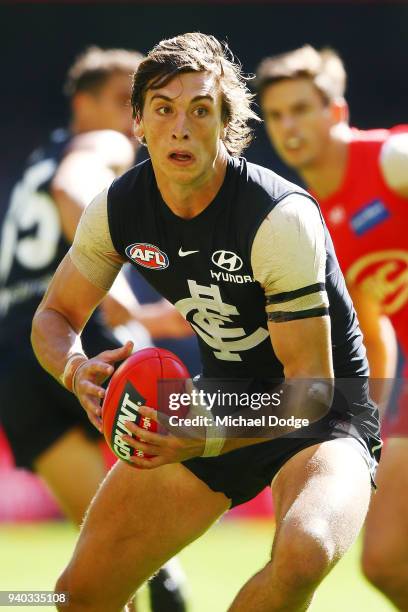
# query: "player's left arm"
{"points": [[289, 261], [394, 163]]}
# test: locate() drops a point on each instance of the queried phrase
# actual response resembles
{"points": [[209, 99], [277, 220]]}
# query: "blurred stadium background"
{"points": [[38, 43]]}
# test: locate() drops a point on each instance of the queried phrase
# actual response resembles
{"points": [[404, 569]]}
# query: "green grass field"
{"points": [[31, 557]]}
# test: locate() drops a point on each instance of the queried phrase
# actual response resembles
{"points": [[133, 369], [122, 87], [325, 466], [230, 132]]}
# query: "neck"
{"points": [[325, 174], [76, 126], [189, 200]]}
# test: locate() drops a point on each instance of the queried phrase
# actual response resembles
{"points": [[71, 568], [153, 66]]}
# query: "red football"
{"points": [[135, 383]]}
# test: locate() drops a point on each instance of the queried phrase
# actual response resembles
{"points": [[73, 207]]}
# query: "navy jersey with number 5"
{"points": [[31, 241]]}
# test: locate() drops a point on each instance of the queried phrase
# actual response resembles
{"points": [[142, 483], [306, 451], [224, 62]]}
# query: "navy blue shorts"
{"points": [[243, 473]]}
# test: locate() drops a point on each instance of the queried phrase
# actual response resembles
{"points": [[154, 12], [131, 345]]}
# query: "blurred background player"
{"points": [[46, 427], [360, 179]]}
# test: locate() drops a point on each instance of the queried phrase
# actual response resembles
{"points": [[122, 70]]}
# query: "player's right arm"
{"points": [[78, 286]]}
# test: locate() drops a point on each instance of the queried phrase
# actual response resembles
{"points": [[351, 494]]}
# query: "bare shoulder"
{"points": [[92, 160], [394, 162], [111, 147]]}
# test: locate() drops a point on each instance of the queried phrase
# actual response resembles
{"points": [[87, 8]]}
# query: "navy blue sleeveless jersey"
{"points": [[31, 241], [203, 266], [31, 247]]}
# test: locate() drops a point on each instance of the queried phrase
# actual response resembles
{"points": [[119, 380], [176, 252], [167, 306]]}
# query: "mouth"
{"points": [[183, 158], [293, 143]]}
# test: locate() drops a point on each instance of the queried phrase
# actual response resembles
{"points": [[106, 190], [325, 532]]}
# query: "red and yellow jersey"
{"points": [[369, 225]]}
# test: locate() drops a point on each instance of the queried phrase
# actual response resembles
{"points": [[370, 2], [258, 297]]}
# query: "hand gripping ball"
{"points": [[146, 378]]}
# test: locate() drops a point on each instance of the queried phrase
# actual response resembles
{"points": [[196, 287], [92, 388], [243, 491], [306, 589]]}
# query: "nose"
{"points": [[180, 127], [288, 122]]}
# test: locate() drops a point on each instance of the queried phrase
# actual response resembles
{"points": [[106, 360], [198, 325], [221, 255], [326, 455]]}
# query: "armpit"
{"points": [[92, 251]]}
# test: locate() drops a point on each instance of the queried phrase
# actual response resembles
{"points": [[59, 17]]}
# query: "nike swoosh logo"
{"points": [[184, 253]]}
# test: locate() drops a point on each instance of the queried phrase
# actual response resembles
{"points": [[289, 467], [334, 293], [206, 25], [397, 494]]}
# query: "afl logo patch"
{"points": [[147, 255]]}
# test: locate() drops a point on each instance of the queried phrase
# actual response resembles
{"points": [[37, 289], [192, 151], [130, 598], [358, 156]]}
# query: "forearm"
{"points": [[160, 319], [380, 342], [382, 350], [54, 341], [163, 321], [382, 353]]}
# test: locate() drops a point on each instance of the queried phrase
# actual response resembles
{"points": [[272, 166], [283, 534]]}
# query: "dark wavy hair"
{"points": [[196, 52]]}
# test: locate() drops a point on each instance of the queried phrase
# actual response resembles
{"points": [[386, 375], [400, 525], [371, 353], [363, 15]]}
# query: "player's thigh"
{"points": [[138, 520], [324, 491], [386, 533], [73, 467]]}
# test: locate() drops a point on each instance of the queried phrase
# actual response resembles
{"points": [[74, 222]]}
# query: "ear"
{"points": [[81, 102], [339, 110], [138, 127]]}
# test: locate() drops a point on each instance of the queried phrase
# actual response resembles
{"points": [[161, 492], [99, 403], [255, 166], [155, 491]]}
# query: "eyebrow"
{"points": [[195, 99], [292, 105]]}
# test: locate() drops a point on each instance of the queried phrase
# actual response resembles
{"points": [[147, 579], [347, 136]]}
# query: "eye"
{"points": [[200, 111], [273, 116], [301, 108], [163, 110]]}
